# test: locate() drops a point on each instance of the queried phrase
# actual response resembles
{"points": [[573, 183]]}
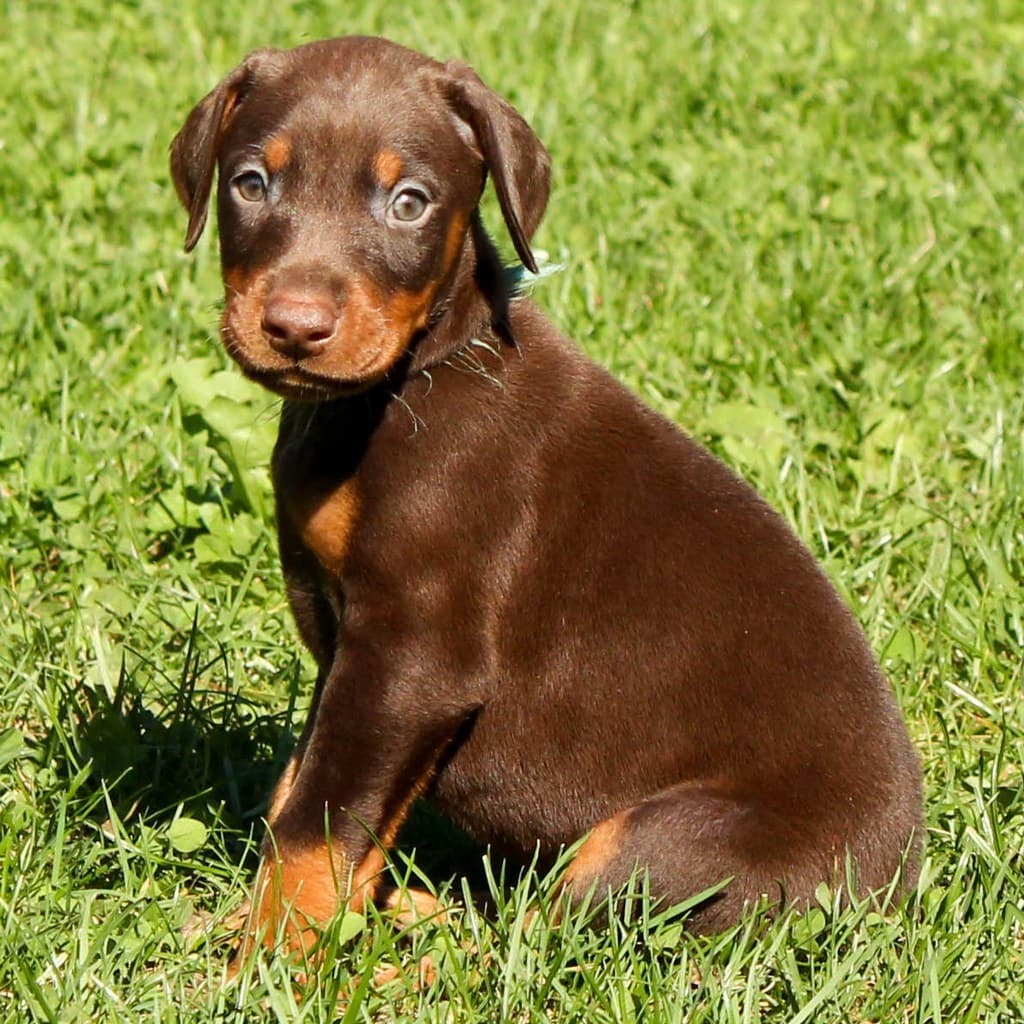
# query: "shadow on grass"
{"points": [[156, 750], [159, 748]]}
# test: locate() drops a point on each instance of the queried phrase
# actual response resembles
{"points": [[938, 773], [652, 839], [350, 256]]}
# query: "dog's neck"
{"points": [[474, 304]]}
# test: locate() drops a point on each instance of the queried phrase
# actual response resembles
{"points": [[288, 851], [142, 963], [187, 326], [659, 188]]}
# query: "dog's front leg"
{"points": [[369, 750]]}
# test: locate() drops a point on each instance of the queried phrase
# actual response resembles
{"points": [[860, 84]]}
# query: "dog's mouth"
{"points": [[301, 384], [367, 341]]}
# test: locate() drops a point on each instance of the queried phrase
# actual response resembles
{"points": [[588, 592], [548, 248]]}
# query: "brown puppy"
{"points": [[531, 599]]}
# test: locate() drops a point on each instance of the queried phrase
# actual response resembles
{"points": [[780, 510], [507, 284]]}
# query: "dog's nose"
{"points": [[299, 324]]}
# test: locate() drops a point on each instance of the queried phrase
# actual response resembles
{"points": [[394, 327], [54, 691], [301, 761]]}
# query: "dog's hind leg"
{"points": [[693, 837]]}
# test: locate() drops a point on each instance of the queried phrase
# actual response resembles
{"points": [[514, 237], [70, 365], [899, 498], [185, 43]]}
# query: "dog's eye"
{"points": [[409, 205], [251, 186]]}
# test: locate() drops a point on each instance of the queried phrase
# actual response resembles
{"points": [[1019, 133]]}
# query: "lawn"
{"points": [[796, 229]]}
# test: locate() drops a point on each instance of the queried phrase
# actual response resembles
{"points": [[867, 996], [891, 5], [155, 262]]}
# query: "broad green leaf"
{"points": [[187, 835]]}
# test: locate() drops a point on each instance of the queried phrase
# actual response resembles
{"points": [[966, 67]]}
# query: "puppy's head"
{"points": [[349, 171]]}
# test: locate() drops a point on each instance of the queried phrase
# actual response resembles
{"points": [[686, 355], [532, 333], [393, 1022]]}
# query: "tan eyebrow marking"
{"points": [[387, 167], [277, 152]]}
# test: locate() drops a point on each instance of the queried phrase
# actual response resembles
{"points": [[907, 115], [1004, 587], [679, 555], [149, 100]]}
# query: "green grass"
{"points": [[794, 228]]}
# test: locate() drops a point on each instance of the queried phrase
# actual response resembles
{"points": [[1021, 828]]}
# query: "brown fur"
{"points": [[528, 595]]}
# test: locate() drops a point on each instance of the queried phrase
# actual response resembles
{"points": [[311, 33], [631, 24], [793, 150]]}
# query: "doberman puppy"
{"points": [[531, 599]]}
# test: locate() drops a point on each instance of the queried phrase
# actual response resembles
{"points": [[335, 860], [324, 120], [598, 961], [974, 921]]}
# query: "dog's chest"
{"points": [[324, 515], [315, 469]]}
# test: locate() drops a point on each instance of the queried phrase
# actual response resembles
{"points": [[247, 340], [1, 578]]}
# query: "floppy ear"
{"points": [[515, 157], [195, 148]]}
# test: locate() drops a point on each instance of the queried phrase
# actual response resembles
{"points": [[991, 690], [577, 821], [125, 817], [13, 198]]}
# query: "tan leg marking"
{"points": [[292, 894], [289, 897], [295, 891], [365, 879], [366, 876], [283, 788], [426, 974], [298, 890], [411, 905], [601, 847]]}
